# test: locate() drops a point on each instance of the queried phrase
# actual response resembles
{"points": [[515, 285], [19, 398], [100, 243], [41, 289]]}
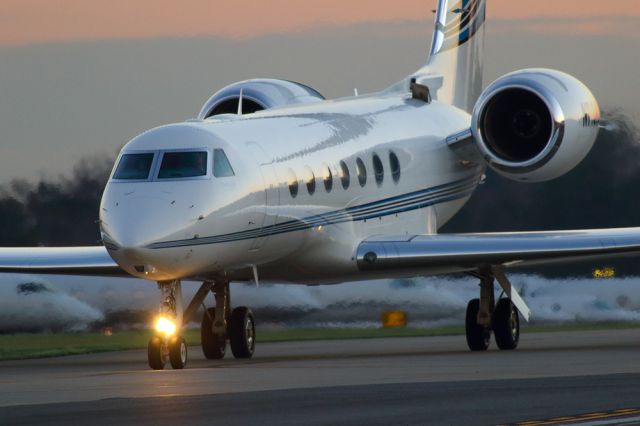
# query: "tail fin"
{"points": [[454, 69]]}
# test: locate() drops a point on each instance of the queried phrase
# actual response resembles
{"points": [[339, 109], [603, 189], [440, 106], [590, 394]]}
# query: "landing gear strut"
{"points": [[213, 330], [484, 315], [478, 318]]}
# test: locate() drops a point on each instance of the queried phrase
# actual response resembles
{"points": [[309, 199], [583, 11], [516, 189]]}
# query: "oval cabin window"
{"points": [[310, 180], [395, 166], [327, 179], [378, 169], [345, 177], [361, 170], [293, 184]]}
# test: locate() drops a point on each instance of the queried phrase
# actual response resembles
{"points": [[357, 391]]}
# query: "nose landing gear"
{"points": [[167, 344]]}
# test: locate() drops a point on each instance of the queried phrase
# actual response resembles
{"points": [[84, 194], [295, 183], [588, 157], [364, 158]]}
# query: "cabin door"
{"points": [[268, 201]]}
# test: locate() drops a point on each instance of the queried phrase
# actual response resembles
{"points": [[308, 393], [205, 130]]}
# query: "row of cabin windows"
{"points": [[345, 175]]}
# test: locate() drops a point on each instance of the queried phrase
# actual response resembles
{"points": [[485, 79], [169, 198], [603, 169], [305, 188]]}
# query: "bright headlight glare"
{"points": [[165, 326]]}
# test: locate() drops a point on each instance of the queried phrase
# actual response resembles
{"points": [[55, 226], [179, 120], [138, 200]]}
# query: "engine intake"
{"points": [[535, 125], [258, 95], [517, 124]]}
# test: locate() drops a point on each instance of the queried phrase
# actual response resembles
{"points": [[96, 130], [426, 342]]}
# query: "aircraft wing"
{"points": [[449, 253], [59, 260]]}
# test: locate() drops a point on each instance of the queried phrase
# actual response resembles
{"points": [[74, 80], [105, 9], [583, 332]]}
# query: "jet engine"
{"points": [[257, 95], [535, 125]]}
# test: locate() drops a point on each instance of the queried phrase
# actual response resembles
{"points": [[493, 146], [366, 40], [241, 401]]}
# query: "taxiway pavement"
{"points": [[427, 380]]}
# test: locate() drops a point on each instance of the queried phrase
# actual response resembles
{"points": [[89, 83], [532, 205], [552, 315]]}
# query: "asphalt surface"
{"points": [[432, 380]]}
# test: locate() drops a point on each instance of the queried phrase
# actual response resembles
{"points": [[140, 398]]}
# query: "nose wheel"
{"points": [[162, 349], [178, 353], [157, 353]]}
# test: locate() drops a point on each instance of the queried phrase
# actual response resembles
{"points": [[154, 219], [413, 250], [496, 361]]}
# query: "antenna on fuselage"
{"points": [[240, 102]]}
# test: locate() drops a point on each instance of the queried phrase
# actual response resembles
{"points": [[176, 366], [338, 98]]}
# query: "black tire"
{"points": [[478, 337], [213, 346], [506, 325], [156, 354], [242, 332], [178, 352]]}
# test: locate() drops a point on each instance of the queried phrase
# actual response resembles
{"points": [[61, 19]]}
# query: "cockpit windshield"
{"points": [[184, 164], [188, 164], [134, 167]]}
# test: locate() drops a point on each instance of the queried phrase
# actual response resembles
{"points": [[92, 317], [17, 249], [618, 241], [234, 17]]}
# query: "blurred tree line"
{"points": [[601, 192], [58, 212]]}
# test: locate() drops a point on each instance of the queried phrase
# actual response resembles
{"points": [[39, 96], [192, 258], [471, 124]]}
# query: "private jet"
{"points": [[274, 183]]}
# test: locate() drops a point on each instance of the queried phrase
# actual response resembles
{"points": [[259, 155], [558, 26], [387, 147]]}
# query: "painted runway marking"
{"points": [[601, 418]]}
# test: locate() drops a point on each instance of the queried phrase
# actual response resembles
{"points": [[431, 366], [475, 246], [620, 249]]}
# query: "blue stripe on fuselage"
{"points": [[380, 208]]}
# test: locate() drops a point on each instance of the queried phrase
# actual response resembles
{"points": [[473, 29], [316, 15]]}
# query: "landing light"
{"points": [[165, 326]]}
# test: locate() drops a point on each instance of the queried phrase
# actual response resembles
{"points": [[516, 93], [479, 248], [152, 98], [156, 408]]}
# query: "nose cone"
{"points": [[135, 222], [131, 222]]}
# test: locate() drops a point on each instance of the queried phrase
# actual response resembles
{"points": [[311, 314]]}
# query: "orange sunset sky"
{"points": [[78, 78], [28, 22]]}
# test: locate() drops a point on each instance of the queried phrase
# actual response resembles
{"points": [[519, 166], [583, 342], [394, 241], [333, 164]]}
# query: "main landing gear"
{"points": [[485, 316], [219, 324]]}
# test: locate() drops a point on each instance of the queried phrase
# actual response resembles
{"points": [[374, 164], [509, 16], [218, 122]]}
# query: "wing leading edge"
{"points": [[59, 260], [450, 253]]}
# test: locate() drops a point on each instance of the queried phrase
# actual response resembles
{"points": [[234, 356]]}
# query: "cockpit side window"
{"points": [[134, 166], [221, 165], [184, 164]]}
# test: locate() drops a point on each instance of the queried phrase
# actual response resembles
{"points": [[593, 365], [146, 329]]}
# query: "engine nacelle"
{"points": [[257, 95], [535, 125]]}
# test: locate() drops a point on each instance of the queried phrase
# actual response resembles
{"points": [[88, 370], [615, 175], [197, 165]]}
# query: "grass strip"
{"points": [[27, 346]]}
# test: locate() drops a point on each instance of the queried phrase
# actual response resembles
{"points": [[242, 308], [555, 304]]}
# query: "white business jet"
{"points": [[274, 183]]}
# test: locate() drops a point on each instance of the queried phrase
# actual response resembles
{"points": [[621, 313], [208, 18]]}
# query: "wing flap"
{"points": [[59, 260], [449, 253]]}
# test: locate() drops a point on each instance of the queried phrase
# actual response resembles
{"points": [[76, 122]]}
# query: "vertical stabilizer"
{"points": [[454, 69]]}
